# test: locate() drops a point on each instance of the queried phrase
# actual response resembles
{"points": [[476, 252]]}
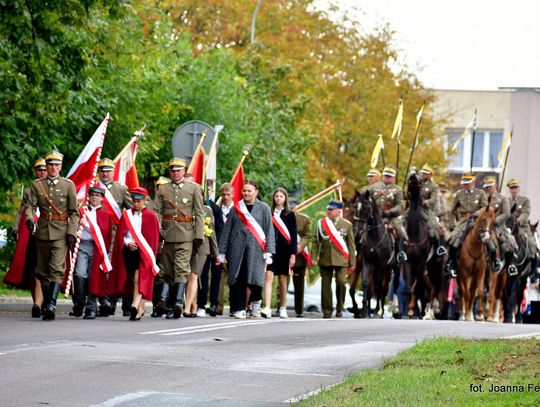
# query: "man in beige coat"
{"points": [[55, 232]]}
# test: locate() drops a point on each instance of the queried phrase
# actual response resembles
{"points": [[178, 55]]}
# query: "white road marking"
{"points": [[124, 398], [190, 328], [217, 328], [307, 395]]}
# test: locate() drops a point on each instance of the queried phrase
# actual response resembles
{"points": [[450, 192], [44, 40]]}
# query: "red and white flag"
{"points": [[84, 170], [197, 167], [238, 182], [125, 171]]}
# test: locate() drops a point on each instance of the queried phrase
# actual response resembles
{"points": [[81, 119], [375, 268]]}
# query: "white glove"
{"points": [[267, 258], [221, 258]]}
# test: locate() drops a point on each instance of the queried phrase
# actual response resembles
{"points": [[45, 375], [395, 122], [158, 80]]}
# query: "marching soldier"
{"points": [[179, 204], [502, 213], [56, 199], [389, 197], [333, 247], [431, 203], [122, 200], [521, 208], [467, 203]]}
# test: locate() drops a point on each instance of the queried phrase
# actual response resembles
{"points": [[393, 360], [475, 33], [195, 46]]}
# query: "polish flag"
{"points": [[197, 167], [125, 171], [84, 170], [238, 182]]}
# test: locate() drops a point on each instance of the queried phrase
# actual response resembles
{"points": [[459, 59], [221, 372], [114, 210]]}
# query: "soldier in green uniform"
{"points": [[373, 176], [303, 228], [431, 203], [520, 208], [56, 199], [445, 219], [180, 207], [331, 258], [389, 197], [122, 197], [467, 203], [501, 206]]}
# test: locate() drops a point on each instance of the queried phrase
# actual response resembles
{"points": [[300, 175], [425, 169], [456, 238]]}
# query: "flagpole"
{"points": [[473, 138], [419, 122], [398, 132], [320, 195], [506, 160]]}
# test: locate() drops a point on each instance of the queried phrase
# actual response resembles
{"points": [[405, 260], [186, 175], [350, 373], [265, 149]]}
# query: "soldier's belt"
{"points": [[178, 218], [50, 216]]}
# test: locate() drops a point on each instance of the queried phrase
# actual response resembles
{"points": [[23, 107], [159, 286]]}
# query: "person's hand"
{"points": [[220, 259], [30, 224], [70, 239], [196, 244], [132, 246], [292, 260], [298, 248], [267, 258]]}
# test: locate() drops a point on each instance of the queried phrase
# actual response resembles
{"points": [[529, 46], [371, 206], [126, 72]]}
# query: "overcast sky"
{"points": [[461, 44]]}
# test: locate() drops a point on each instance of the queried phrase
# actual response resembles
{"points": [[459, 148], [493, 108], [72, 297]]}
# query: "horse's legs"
{"points": [[430, 290], [493, 279], [480, 293], [352, 291], [510, 297], [365, 289]]}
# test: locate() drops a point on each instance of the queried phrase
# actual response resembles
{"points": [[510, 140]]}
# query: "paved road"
{"points": [[201, 361]]}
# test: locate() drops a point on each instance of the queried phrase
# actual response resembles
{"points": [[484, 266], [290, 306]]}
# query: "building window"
{"points": [[487, 144]]}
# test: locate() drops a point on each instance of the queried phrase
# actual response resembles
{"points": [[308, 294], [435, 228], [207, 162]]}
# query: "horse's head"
{"points": [[349, 209], [414, 184], [485, 222], [366, 208]]}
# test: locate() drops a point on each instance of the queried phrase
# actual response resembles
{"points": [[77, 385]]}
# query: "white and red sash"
{"points": [[111, 205], [144, 247], [250, 223], [335, 237], [99, 242], [281, 226], [304, 252]]}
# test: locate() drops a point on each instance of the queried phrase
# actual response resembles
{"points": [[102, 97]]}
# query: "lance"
{"points": [[506, 159], [397, 131], [417, 131], [473, 138], [320, 195]]}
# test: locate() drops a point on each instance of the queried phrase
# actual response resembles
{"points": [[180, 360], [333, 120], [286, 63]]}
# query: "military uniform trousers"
{"points": [[327, 272], [175, 258], [299, 278], [457, 234], [397, 224], [506, 240], [51, 260]]}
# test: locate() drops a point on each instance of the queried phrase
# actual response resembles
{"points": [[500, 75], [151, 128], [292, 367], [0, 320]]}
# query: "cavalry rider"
{"points": [[388, 198], [431, 204], [467, 203], [373, 176], [500, 205], [521, 208]]}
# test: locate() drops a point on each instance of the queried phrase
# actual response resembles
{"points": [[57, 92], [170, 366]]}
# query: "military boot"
{"points": [[401, 256], [496, 264], [161, 306], [178, 306], [171, 301], [49, 312], [79, 295]]}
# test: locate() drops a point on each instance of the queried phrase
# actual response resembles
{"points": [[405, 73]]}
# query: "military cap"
{"points": [[139, 193], [427, 169], [373, 172], [54, 157], [467, 179], [176, 164], [106, 164], [163, 180], [40, 164], [489, 182], [389, 171], [513, 183], [334, 204], [96, 189]]}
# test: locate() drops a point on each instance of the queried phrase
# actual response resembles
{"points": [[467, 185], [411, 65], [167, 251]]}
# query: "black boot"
{"points": [[178, 306], [496, 264], [90, 309], [49, 310], [79, 295], [171, 300], [401, 256], [452, 262], [105, 307], [161, 306]]}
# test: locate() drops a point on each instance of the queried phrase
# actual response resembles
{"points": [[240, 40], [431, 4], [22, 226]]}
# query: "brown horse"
{"points": [[473, 262]]}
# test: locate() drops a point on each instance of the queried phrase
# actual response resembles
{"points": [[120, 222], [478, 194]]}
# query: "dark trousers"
{"points": [[299, 278], [237, 291], [212, 272]]}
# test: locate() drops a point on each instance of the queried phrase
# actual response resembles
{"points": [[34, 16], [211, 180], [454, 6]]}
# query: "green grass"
{"points": [[440, 372], [5, 290]]}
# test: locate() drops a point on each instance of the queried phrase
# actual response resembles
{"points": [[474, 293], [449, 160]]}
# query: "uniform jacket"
{"points": [[237, 242], [327, 252], [303, 227], [467, 203], [188, 201], [500, 205], [61, 192], [209, 245], [430, 196], [521, 207], [121, 194], [388, 197]]}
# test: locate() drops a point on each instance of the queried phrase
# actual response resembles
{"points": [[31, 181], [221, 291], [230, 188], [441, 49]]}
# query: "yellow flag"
{"points": [[418, 121], [468, 130], [504, 148], [376, 151], [397, 124]]}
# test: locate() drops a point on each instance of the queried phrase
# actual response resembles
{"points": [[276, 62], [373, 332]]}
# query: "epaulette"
{"points": [[67, 179], [347, 221]]}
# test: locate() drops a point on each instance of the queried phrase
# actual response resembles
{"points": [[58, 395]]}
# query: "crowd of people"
{"points": [[181, 250]]}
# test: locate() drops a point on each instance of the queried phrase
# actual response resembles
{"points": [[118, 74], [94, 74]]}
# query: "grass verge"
{"points": [[446, 371]]}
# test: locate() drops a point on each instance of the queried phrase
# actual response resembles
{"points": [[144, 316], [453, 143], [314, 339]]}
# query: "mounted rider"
{"points": [[432, 208], [500, 205], [467, 204], [520, 209], [388, 198]]}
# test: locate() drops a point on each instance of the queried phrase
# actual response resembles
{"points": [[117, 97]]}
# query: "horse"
{"points": [[350, 209], [515, 285], [418, 247], [376, 253], [495, 283], [473, 264]]}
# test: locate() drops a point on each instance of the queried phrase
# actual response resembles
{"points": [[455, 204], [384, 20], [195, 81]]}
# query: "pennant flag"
{"points": [[125, 171], [398, 123], [211, 166], [504, 148], [196, 166], [376, 151], [84, 170], [418, 121], [238, 182], [468, 130]]}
